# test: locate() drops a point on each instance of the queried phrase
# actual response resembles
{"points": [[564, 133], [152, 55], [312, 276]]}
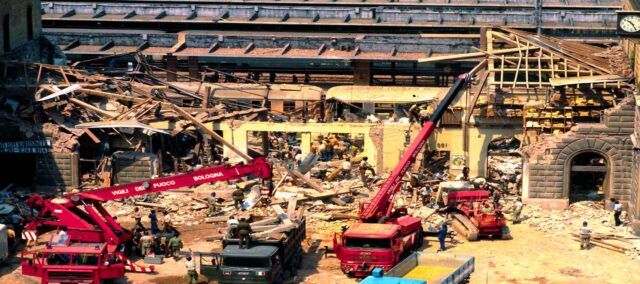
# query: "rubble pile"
{"points": [[568, 222]]}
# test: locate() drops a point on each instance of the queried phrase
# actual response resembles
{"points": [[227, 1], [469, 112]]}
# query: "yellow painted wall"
{"points": [[383, 144]]}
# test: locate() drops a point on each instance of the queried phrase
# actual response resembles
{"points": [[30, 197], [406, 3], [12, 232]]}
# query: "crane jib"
{"points": [[390, 186]]}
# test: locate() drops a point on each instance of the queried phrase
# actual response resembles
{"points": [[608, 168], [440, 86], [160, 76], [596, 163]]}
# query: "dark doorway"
{"points": [[30, 22], [20, 171], [589, 177], [6, 36]]}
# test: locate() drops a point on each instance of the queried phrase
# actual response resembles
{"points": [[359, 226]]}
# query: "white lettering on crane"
{"points": [[120, 191], [207, 176], [164, 184]]}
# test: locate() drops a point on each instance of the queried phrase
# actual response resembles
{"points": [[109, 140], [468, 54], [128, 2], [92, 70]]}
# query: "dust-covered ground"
{"points": [[531, 256]]}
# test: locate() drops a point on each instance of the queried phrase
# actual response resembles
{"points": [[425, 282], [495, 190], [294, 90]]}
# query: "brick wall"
{"points": [[549, 161], [131, 167]]}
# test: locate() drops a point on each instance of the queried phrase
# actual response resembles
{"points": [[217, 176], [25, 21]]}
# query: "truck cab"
{"points": [[365, 246], [73, 263], [257, 264]]}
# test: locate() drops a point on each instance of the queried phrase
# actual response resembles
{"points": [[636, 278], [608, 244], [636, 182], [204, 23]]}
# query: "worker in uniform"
{"points": [[442, 235], [364, 166], [153, 219], [517, 211], [191, 270], [137, 215], [464, 176], [585, 236], [175, 244], [145, 244], [135, 241], [211, 202], [244, 233], [238, 198]]}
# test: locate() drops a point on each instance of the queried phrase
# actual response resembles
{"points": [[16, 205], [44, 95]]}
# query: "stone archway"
{"points": [[589, 177], [594, 146]]}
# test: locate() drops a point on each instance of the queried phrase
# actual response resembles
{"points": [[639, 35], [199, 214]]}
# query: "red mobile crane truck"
{"points": [[94, 234], [384, 237]]}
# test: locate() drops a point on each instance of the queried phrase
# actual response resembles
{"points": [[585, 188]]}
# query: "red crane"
{"points": [[88, 221], [365, 246]]}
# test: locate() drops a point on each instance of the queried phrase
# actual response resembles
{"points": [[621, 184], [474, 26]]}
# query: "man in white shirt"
{"points": [[63, 236], [298, 158], [346, 168], [191, 270], [617, 211], [517, 211], [585, 236], [464, 176]]}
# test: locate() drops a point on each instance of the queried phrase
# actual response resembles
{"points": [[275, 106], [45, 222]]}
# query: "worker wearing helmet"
{"points": [[244, 232], [211, 202], [238, 198]]}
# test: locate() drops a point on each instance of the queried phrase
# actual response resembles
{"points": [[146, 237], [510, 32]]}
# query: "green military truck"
{"points": [[267, 260]]}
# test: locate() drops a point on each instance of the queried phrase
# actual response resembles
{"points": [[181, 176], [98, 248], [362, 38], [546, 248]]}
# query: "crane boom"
{"points": [[88, 221], [258, 167], [380, 205]]}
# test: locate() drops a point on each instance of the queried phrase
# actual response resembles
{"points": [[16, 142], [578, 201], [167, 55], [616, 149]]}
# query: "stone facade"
{"points": [[131, 167], [19, 23], [634, 202], [548, 163]]}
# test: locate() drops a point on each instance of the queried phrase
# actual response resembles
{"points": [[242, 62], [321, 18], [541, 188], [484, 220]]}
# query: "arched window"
{"points": [[30, 22], [6, 36]]}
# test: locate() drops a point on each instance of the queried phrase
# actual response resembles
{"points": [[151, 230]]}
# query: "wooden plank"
{"points": [[472, 55], [308, 181], [210, 132], [291, 208], [148, 204], [279, 229], [316, 197], [281, 214], [586, 80]]}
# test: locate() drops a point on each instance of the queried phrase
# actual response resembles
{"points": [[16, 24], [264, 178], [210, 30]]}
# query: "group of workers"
{"points": [[166, 242]]}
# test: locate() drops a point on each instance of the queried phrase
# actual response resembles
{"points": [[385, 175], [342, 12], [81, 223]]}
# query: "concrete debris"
{"points": [[568, 221]]}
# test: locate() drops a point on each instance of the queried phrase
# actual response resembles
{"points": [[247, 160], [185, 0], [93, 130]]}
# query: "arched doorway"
{"points": [[6, 35], [589, 177], [30, 22]]}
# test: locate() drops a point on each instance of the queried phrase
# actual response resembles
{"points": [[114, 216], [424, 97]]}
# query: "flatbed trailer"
{"points": [[426, 268]]}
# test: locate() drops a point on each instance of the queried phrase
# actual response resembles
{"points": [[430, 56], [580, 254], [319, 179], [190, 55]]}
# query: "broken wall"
{"points": [[547, 166], [57, 170], [129, 167]]}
